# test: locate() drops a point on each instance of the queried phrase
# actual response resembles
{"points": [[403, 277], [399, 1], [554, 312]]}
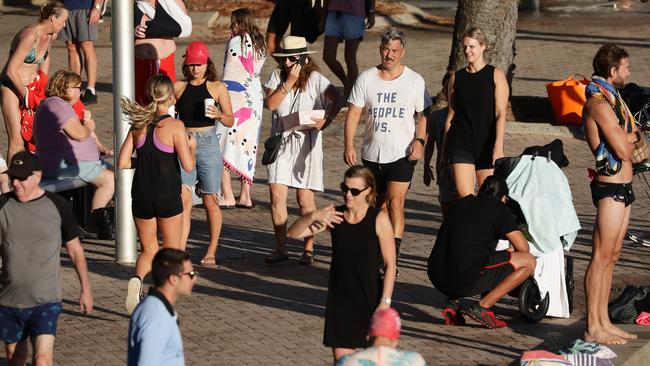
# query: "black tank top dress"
{"points": [[156, 188], [355, 286], [190, 106], [473, 129]]}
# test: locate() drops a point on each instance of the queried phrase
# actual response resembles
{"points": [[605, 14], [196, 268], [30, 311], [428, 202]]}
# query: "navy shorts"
{"points": [[19, 324], [497, 268]]}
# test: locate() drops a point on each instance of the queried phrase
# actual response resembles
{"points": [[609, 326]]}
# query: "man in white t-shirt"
{"points": [[385, 327], [393, 97]]}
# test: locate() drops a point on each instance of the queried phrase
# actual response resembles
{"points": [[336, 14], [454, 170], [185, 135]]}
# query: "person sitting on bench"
{"points": [[67, 148], [464, 262]]}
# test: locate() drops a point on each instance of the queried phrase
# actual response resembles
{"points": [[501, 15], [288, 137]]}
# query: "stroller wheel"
{"points": [[531, 305]]}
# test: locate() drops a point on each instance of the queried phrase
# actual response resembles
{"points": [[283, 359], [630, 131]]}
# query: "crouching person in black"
{"points": [[464, 262]]}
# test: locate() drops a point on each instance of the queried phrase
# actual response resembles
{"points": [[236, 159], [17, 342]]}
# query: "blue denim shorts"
{"points": [[344, 25], [88, 171], [209, 164], [19, 324]]}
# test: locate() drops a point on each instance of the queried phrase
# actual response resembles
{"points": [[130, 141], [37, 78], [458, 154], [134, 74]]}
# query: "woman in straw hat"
{"points": [[297, 85]]}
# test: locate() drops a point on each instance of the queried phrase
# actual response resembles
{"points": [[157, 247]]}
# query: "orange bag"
{"points": [[567, 97]]}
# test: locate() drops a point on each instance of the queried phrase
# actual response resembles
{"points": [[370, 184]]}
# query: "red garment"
{"points": [[79, 109], [144, 69], [35, 94]]}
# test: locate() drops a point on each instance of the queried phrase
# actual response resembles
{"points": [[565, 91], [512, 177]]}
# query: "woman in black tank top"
{"points": [[362, 239], [161, 142], [475, 125], [201, 83]]}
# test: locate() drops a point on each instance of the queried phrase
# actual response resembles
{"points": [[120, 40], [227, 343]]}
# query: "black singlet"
{"points": [[190, 107], [157, 173], [473, 128], [161, 26]]}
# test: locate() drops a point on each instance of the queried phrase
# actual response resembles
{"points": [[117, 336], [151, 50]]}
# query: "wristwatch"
{"points": [[386, 301], [420, 140], [98, 7]]}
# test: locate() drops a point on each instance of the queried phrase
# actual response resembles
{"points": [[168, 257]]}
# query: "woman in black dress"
{"points": [[362, 237], [476, 122]]}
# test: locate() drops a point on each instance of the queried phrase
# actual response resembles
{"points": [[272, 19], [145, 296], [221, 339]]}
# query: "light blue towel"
{"points": [[545, 197]]}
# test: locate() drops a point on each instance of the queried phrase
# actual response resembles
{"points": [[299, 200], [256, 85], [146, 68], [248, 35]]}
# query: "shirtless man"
{"points": [[157, 22], [611, 190]]}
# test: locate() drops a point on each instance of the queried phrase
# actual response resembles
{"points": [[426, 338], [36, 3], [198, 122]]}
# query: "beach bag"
{"points": [[641, 149], [271, 148], [567, 97]]}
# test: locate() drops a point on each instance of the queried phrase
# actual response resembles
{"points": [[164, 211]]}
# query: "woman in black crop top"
{"points": [[475, 125], [160, 142], [26, 69], [201, 83]]}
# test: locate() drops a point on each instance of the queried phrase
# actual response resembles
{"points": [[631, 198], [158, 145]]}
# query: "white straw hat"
{"points": [[293, 46]]}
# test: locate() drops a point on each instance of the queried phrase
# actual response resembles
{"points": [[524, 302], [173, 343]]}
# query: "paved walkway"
{"points": [[245, 312]]}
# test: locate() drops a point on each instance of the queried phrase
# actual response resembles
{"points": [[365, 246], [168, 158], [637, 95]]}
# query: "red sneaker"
{"points": [[484, 316], [453, 316]]}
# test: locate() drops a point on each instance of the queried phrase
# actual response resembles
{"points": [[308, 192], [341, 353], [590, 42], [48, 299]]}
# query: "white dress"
{"points": [[300, 159]]}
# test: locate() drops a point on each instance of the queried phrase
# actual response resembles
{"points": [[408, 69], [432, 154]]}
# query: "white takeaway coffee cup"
{"points": [[206, 103]]}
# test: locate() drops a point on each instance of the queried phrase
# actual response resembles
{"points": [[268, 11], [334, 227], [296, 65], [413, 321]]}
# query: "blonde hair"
{"points": [[360, 171], [476, 33], [50, 8], [159, 89], [59, 83]]}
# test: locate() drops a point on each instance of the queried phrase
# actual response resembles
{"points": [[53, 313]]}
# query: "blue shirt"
{"points": [[154, 336], [78, 4]]}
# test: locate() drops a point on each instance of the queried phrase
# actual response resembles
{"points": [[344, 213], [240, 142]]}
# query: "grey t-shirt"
{"points": [[31, 234]]}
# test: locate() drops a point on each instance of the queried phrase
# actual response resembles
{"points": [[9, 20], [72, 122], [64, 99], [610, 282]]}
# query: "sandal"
{"points": [[276, 257], [208, 262], [307, 257]]}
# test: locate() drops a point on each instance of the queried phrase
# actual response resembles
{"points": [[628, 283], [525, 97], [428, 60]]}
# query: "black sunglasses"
{"points": [[293, 58], [192, 274], [354, 191]]}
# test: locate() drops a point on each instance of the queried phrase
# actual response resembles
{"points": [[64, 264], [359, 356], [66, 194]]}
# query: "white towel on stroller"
{"points": [[550, 277], [544, 195]]}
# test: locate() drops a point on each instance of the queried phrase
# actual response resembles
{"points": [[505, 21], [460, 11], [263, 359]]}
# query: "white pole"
{"points": [[126, 250]]}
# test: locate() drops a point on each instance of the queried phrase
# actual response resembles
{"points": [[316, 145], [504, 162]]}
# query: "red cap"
{"points": [[385, 323], [197, 53]]}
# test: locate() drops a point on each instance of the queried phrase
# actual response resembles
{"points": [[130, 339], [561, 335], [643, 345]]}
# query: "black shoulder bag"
{"points": [[273, 144]]}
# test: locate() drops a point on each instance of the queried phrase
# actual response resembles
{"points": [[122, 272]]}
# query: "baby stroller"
{"points": [[538, 191]]}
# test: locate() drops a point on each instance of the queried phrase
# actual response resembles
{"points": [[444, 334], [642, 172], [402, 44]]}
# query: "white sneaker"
{"points": [[133, 294]]}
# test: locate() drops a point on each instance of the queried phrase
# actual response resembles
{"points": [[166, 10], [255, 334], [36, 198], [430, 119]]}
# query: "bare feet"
{"points": [[604, 337], [612, 329], [225, 201]]}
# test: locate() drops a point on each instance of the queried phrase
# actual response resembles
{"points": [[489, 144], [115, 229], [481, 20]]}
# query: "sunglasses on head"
{"points": [[192, 274], [354, 191]]}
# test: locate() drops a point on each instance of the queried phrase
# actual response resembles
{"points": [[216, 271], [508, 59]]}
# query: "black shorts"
{"points": [[480, 161], [148, 209], [289, 12], [398, 171], [496, 270], [619, 192]]}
